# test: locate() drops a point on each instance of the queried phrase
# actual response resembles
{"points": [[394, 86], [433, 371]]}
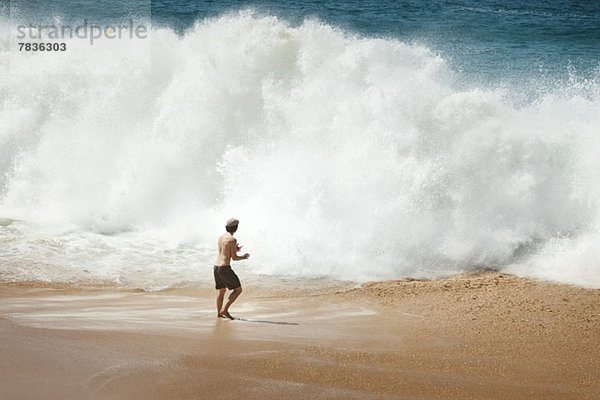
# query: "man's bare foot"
{"points": [[220, 315], [225, 314]]}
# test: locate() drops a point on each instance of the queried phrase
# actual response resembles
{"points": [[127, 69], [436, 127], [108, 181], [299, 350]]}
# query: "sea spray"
{"points": [[343, 156]]}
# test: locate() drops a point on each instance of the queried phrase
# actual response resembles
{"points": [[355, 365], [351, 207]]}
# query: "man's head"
{"points": [[232, 225]]}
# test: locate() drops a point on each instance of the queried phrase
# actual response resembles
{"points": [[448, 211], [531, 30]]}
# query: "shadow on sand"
{"points": [[266, 322]]}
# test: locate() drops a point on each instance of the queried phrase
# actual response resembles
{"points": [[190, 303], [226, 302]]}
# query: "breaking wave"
{"points": [[342, 155]]}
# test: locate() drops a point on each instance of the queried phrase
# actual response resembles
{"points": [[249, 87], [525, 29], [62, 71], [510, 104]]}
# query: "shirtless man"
{"points": [[224, 275]]}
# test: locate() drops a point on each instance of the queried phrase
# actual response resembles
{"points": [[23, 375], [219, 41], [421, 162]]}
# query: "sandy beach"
{"points": [[477, 336]]}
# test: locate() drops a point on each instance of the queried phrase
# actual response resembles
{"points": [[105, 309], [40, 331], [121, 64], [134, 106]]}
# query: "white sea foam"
{"points": [[343, 156]]}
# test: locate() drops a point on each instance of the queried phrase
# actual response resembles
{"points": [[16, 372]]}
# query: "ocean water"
{"points": [[355, 141]]}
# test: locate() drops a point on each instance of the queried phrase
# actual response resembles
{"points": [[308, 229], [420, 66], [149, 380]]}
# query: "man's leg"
{"points": [[220, 296], [232, 297]]}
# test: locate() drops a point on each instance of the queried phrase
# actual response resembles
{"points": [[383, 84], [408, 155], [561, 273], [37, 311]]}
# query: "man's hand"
{"points": [[245, 256]]}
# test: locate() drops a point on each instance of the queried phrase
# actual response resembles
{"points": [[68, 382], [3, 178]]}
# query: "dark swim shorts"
{"points": [[226, 278]]}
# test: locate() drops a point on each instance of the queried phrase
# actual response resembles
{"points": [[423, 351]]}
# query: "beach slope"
{"points": [[479, 336]]}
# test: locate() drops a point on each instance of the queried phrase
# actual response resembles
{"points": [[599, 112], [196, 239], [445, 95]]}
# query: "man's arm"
{"points": [[233, 247]]}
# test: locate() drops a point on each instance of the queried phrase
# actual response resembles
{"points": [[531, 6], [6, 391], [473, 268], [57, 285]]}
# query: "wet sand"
{"points": [[482, 336]]}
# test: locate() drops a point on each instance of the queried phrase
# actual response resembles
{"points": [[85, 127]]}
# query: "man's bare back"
{"points": [[228, 249]]}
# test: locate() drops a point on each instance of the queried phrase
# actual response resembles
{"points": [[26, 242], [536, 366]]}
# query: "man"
{"points": [[225, 278]]}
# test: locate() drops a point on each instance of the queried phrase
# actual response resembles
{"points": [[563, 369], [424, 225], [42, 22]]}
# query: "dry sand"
{"points": [[482, 336]]}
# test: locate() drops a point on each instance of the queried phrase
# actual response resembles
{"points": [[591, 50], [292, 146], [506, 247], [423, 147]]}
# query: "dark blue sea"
{"points": [[488, 40]]}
